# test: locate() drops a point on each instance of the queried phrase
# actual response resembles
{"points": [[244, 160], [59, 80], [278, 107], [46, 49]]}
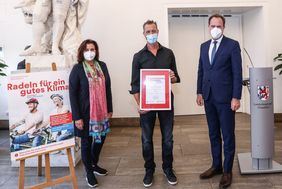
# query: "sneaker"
{"points": [[171, 178], [100, 171], [91, 180], [148, 178]]}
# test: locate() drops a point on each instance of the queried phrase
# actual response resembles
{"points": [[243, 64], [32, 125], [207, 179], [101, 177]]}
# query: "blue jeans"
{"points": [[37, 140], [25, 138], [147, 123], [65, 136], [21, 139]]}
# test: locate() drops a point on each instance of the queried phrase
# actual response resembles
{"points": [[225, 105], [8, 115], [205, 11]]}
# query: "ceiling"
{"points": [[209, 10]]}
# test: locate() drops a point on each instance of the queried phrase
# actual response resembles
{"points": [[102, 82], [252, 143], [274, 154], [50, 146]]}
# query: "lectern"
{"points": [[260, 159]]}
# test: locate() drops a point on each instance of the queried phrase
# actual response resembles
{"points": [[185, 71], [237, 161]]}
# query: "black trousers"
{"points": [[90, 152], [147, 123]]}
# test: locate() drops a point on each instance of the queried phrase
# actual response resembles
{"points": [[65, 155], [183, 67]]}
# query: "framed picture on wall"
{"points": [[155, 89]]}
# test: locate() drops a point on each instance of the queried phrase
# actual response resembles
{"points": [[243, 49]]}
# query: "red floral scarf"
{"points": [[99, 122]]}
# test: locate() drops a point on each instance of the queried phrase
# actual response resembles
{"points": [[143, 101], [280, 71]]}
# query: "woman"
{"points": [[91, 104]]}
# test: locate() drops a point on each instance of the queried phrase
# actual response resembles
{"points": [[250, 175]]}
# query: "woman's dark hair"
{"points": [[82, 47]]}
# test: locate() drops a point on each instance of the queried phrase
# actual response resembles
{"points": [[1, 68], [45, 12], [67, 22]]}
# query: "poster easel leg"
{"points": [[21, 174], [27, 68], [72, 170], [47, 168], [39, 168]]}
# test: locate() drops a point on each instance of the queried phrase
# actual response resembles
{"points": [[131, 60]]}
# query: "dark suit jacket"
{"points": [[79, 96], [224, 77]]}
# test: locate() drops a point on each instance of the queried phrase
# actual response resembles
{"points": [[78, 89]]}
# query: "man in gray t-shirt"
{"points": [[29, 125]]}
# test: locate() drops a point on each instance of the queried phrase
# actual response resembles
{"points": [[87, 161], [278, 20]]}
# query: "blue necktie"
{"points": [[213, 52]]}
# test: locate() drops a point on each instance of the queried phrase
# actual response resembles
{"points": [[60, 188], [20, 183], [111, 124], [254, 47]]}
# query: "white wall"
{"points": [[262, 40], [274, 47], [117, 26], [184, 39], [14, 36], [254, 44]]}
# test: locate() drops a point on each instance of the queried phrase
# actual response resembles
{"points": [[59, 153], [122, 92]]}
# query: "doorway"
{"points": [[186, 33], [187, 29]]}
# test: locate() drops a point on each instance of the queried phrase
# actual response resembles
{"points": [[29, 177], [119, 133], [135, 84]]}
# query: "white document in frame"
{"points": [[155, 89]]}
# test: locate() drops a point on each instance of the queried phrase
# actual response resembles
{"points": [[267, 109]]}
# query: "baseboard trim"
{"points": [[278, 117], [134, 121], [131, 121], [4, 124]]}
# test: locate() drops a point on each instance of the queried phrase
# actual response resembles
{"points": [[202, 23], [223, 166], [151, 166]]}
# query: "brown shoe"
{"points": [[225, 180], [210, 173]]}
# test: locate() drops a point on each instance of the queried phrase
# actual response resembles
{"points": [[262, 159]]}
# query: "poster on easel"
{"points": [[40, 118]]}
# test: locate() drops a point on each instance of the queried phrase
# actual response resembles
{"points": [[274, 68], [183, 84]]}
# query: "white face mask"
{"points": [[89, 55], [216, 33]]}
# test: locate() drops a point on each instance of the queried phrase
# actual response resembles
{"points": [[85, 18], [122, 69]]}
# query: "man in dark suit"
{"points": [[219, 88]]}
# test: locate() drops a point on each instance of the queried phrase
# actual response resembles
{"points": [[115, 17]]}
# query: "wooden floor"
{"points": [[122, 157]]}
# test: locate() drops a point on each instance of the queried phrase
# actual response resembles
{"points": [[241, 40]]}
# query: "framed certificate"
{"points": [[155, 89]]}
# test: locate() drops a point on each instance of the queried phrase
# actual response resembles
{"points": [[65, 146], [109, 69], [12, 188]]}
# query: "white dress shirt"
{"points": [[212, 44]]}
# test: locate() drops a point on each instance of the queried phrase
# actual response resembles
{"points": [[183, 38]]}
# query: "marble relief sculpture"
{"points": [[55, 25]]}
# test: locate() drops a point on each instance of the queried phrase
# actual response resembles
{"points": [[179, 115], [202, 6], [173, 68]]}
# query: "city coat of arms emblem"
{"points": [[263, 92]]}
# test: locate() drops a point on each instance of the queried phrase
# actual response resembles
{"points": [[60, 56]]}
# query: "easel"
{"points": [[49, 181]]}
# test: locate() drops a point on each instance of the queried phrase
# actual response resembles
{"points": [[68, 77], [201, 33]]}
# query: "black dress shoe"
{"points": [[225, 180], [210, 173]]}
